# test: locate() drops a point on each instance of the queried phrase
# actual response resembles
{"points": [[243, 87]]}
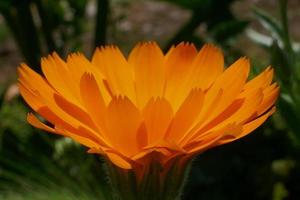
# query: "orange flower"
{"points": [[129, 109]]}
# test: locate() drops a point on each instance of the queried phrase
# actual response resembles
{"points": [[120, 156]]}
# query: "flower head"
{"points": [[149, 106]]}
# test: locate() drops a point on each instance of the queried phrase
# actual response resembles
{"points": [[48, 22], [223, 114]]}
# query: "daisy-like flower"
{"points": [[149, 112]]}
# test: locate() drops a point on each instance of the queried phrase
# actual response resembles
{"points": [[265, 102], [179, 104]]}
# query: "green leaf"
{"points": [[282, 63], [270, 24]]}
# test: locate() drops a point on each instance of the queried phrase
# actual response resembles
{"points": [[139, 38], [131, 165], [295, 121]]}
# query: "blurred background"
{"points": [[264, 165]]}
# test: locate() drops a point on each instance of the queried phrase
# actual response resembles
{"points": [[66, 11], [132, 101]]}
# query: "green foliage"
{"points": [[44, 194], [284, 57], [269, 23], [32, 161]]}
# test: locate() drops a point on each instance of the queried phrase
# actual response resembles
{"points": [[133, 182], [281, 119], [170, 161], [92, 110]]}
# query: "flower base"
{"points": [[152, 182]]}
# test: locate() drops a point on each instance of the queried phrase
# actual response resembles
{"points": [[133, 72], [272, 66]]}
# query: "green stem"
{"points": [[285, 26], [101, 22], [153, 181], [47, 25]]}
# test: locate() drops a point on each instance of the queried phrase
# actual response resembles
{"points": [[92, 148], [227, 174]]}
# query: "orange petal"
{"points": [[213, 138], [74, 111], [52, 112], [179, 70], [157, 116], [61, 119], [148, 63], [52, 117], [122, 122], [56, 73], [32, 99], [239, 111], [226, 114], [209, 104], [231, 82], [116, 70], [118, 160], [82, 139], [208, 65], [78, 65], [34, 82], [217, 121], [270, 95], [262, 80], [142, 136], [253, 99], [94, 104], [249, 127], [34, 121], [186, 115], [161, 150]]}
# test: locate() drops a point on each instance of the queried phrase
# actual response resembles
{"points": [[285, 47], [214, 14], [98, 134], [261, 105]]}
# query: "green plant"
{"points": [[284, 56], [33, 164]]}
